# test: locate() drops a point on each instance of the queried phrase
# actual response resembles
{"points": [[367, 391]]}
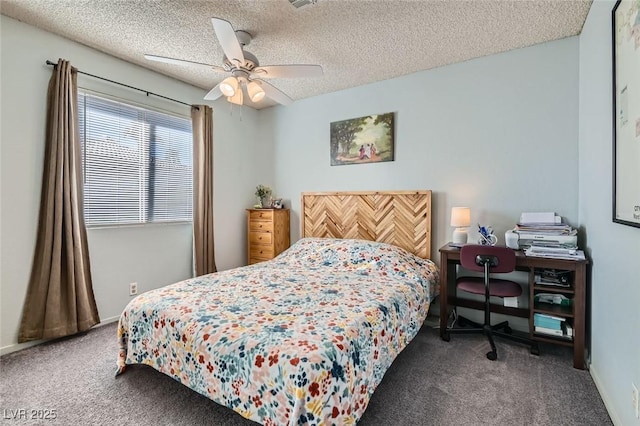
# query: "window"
{"points": [[137, 163]]}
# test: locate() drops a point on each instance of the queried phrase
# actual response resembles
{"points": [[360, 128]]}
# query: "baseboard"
{"points": [[608, 404], [108, 321], [20, 346]]}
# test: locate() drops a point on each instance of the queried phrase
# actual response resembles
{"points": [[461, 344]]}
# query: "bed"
{"points": [[302, 339]]}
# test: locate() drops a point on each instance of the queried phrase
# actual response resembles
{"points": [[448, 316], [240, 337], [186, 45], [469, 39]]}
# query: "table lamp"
{"points": [[460, 219]]}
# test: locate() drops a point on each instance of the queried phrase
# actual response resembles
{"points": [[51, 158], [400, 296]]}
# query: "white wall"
{"points": [[497, 134], [153, 255], [614, 248]]}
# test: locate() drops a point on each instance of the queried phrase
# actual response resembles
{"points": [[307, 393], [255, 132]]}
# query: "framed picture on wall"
{"points": [[367, 139], [626, 113]]}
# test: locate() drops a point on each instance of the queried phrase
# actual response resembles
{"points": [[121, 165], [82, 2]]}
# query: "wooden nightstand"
{"points": [[267, 234]]}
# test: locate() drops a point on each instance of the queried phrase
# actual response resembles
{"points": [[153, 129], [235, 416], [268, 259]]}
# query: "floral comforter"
{"points": [[302, 339]]}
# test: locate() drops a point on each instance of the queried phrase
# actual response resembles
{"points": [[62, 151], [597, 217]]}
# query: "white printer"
{"points": [[518, 239]]}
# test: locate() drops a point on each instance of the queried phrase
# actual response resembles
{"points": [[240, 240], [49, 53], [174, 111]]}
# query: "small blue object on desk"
{"points": [[486, 236]]}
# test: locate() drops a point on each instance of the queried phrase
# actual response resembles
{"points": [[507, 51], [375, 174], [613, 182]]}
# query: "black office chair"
{"points": [[490, 260]]}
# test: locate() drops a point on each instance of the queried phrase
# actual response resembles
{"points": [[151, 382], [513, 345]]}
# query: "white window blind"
{"points": [[137, 163]]}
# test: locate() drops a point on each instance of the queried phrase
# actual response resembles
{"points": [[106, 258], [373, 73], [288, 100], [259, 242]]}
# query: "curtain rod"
{"points": [[126, 85]]}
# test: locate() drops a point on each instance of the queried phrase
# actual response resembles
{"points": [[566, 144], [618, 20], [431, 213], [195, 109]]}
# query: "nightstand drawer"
{"points": [[260, 238], [260, 252], [261, 225], [260, 215]]}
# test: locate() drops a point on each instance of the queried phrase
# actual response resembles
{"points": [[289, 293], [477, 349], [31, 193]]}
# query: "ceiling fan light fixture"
{"points": [[256, 93], [229, 86], [237, 98], [244, 67]]}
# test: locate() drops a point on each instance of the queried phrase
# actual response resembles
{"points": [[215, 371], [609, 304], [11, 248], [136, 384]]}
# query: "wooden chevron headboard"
{"points": [[402, 218]]}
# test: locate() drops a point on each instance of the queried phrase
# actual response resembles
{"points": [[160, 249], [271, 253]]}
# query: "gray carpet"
{"points": [[430, 383]]}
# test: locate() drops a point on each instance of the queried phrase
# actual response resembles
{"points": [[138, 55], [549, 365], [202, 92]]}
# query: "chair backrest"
{"points": [[503, 259]]}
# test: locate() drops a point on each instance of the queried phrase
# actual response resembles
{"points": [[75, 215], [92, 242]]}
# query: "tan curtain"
{"points": [[60, 297], [202, 119]]}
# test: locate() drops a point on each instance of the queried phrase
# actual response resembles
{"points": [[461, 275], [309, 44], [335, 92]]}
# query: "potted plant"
{"points": [[263, 194]]}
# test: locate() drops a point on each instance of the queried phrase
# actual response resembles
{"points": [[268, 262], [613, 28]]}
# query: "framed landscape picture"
{"points": [[626, 112], [367, 139]]}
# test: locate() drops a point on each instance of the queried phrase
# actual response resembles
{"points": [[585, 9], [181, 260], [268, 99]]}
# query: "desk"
{"points": [[450, 259]]}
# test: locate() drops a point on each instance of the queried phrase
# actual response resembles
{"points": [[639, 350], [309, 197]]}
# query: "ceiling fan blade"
{"points": [[213, 94], [287, 71], [273, 93], [184, 62], [228, 40]]}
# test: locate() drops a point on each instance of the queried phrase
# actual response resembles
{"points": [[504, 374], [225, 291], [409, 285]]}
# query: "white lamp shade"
{"points": [[460, 219], [460, 216], [237, 98], [256, 93], [229, 86]]}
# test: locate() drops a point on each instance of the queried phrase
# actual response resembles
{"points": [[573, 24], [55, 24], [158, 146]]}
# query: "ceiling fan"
{"points": [[246, 72]]}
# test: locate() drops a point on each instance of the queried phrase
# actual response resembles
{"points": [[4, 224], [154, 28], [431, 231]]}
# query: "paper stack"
{"points": [[539, 218], [557, 252], [543, 223], [552, 299], [547, 236], [552, 277]]}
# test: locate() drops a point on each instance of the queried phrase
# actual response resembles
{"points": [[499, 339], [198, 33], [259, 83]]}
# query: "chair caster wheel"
{"points": [[508, 330], [446, 337], [534, 350], [492, 355]]}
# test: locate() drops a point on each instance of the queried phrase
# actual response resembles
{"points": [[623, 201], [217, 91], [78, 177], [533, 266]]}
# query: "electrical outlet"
{"points": [[133, 289], [634, 399]]}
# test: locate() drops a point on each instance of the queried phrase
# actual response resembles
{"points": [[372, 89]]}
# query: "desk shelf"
{"points": [[538, 337], [573, 314], [551, 309], [500, 309], [540, 288], [568, 277]]}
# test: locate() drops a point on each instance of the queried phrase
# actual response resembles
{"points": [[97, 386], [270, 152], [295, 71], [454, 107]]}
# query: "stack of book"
{"points": [[548, 237], [545, 228], [543, 223], [552, 326]]}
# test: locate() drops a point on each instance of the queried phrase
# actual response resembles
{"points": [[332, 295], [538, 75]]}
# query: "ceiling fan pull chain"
{"points": [[231, 110]]}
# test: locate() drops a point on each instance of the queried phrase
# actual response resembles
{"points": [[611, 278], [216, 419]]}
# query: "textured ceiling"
{"points": [[355, 41]]}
